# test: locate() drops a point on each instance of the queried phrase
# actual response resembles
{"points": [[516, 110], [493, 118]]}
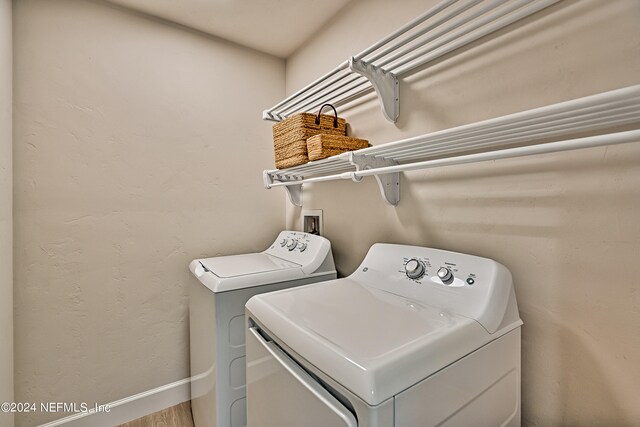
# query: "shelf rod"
{"points": [[553, 130], [321, 91], [551, 147], [342, 66], [612, 97], [310, 167], [455, 25], [603, 112], [407, 27], [425, 30], [343, 97], [320, 98], [486, 25]]}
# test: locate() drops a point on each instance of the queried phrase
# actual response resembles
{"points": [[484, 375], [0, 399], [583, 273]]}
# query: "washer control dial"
{"points": [[445, 275], [283, 243], [414, 269], [302, 246], [291, 244]]}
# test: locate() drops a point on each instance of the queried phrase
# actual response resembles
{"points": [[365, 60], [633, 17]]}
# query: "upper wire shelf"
{"points": [[446, 27]]}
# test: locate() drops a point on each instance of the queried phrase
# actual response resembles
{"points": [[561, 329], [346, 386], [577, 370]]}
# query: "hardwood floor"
{"points": [[176, 416]]}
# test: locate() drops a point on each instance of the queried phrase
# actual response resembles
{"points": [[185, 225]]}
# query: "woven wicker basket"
{"points": [[325, 145], [290, 135]]}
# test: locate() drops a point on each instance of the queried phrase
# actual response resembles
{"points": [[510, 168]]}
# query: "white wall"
{"points": [[138, 147], [6, 200], [565, 224]]}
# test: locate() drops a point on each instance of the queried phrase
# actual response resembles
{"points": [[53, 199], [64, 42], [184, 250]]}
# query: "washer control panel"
{"points": [[293, 240], [307, 250]]}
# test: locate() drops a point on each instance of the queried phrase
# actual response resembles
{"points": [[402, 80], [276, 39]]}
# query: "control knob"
{"points": [[302, 246], [283, 243], [414, 269], [445, 275], [291, 245]]}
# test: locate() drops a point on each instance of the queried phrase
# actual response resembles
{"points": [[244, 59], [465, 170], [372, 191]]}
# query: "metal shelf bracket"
{"points": [[385, 83], [295, 194], [389, 183]]}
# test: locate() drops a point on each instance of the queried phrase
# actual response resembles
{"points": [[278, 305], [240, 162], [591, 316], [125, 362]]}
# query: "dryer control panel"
{"points": [[444, 272], [471, 286]]}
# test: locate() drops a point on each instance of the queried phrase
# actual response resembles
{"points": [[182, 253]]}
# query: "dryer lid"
{"points": [[245, 264], [373, 342]]}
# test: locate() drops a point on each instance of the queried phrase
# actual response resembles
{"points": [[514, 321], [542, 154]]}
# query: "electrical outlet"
{"points": [[312, 221]]}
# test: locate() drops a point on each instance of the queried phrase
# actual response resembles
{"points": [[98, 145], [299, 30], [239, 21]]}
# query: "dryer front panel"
{"points": [[280, 393]]}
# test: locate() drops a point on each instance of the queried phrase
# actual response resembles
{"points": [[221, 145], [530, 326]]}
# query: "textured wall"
{"points": [[565, 224], [6, 227], [136, 150]]}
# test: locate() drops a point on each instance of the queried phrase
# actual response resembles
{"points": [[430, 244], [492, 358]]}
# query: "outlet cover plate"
{"points": [[312, 221]]}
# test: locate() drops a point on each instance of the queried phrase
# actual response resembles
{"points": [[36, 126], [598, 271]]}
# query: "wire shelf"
{"points": [[445, 28], [553, 128]]}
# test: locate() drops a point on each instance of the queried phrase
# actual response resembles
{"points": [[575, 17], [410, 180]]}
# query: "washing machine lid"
{"points": [[373, 342], [241, 265], [228, 273]]}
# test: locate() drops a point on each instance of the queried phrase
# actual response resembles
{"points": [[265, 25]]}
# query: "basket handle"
{"points": [[335, 118]]}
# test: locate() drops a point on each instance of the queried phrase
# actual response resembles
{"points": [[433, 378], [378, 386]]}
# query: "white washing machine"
{"points": [[217, 321], [415, 337]]}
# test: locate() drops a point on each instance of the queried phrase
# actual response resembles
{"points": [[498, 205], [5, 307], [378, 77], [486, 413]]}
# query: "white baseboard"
{"points": [[129, 408]]}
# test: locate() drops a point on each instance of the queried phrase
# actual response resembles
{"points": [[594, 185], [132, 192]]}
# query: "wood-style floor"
{"points": [[176, 416]]}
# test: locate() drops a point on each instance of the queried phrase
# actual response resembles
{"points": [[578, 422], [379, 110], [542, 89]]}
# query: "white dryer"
{"points": [[414, 337], [217, 321]]}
